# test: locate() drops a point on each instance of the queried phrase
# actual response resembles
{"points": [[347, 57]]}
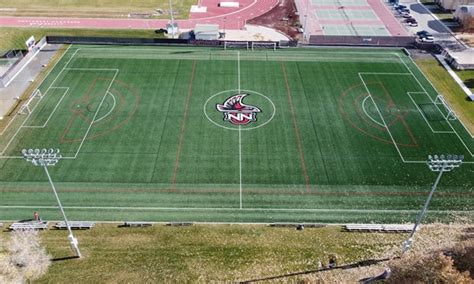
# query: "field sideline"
{"points": [[339, 136]]}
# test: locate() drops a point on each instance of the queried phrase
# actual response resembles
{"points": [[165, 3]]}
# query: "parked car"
{"points": [[405, 15], [423, 33], [411, 22], [398, 6], [403, 10], [427, 39]]}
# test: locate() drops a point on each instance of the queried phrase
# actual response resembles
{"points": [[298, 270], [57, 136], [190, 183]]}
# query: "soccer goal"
{"points": [[236, 44], [26, 107], [448, 114], [264, 45]]}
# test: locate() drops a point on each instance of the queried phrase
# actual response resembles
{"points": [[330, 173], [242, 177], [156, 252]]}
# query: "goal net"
{"points": [[26, 107], [445, 109], [236, 44], [264, 45]]}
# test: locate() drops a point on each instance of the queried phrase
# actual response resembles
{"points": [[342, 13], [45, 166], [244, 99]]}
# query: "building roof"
{"points": [[206, 29], [465, 57]]}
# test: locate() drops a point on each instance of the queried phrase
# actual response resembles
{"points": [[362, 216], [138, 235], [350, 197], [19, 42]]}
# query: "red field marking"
{"points": [[78, 115], [402, 118], [346, 117], [182, 128], [296, 128]]}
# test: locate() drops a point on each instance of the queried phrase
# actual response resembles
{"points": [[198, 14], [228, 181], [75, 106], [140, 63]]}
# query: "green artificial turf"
{"points": [[141, 138]]}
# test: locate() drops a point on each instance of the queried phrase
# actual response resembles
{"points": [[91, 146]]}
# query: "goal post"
{"points": [[264, 45], [236, 44], [26, 107], [449, 113]]}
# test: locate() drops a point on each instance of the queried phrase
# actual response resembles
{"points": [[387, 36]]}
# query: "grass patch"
{"points": [[95, 8], [204, 252], [445, 84], [467, 76], [14, 38], [321, 145]]}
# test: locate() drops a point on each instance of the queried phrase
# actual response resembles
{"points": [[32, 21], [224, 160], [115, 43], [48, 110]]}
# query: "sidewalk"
{"points": [[9, 95]]}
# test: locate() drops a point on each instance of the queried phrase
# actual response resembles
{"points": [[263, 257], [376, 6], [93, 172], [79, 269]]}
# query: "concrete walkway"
{"points": [[9, 95]]}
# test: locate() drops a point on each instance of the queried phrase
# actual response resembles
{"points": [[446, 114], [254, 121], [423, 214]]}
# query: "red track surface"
{"points": [[233, 18]]}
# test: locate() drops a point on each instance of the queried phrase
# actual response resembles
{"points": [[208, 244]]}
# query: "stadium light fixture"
{"points": [[439, 164], [172, 19], [45, 158]]}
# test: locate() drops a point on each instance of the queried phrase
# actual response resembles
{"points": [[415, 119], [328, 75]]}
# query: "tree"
{"points": [[23, 257]]}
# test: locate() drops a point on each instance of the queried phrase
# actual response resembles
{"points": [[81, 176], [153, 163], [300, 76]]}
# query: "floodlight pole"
{"points": [[172, 19], [439, 164], [45, 158]]}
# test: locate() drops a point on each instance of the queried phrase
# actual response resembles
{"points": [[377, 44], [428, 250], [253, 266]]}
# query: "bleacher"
{"points": [[75, 225], [294, 225], [384, 228], [136, 224], [28, 226]]}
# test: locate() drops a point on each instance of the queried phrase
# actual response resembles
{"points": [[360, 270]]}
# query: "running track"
{"points": [[232, 18]]}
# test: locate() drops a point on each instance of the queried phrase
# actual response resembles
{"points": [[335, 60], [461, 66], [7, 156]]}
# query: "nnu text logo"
{"points": [[236, 111]]}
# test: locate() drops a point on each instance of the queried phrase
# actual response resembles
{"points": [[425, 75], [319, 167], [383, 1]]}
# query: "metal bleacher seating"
{"points": [[136, 224], [28, 226], [385, 228], [75, 225]]}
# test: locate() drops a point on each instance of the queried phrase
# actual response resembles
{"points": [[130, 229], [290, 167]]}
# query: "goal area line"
{"points": [[453, 131]]}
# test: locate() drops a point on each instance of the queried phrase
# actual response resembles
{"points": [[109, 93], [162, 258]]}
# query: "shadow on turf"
{"points": [[362, 263], [64, 258]]}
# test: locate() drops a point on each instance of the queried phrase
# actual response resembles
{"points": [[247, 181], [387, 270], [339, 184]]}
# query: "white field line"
{"points": [[111, 109], [47, 90], [235, 209], [54, 110], [44, 78], [381, 116], [421, 112], [96, 112], [413, 62], [52, 83], [367, 114], [240, 134], [423, 88], [393, 140]]}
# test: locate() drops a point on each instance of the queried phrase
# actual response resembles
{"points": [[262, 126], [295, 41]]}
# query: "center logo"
{"points": [[236, 112]]}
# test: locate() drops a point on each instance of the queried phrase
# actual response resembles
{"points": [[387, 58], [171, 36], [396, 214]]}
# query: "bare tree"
{"points": [[22, 258]]}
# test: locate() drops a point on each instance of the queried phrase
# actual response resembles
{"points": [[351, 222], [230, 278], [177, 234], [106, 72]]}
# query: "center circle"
{"points": [[254, 109]]}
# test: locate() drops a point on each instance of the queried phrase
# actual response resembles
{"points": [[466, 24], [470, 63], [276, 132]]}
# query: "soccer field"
{"points": [[212, 135]]}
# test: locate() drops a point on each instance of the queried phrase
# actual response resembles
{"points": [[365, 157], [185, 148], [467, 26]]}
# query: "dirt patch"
{"points": [[283, 17]]}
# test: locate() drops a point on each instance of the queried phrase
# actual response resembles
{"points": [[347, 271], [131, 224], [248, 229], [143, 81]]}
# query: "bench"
{"points": [[396, 228], [28, 226], [75, 225], [385, 228], [363, 227], [136, 224], [180, 224], [293, 225]]}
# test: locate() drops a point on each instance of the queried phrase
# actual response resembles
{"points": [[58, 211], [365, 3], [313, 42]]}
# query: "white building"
{"points": [[206, 32]]}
